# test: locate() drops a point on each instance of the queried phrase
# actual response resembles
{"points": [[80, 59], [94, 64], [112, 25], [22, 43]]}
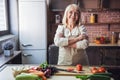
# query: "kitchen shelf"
{"points": [[106, 23], [99, 9], [55, 10], [104, 45]]}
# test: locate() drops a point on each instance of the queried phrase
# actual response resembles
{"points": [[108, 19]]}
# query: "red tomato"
{"points": [[93, 68], [70, 69], [94, 71], [101, 69], [79, 67]]}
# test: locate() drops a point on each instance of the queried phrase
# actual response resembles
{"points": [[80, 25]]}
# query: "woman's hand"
{"points": [[61, 35], [72, 45], [82, 36], [79, 38]]}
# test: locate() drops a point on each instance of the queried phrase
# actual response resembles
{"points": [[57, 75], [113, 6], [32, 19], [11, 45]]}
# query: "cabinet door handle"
{"points": [[26, 45], [25, 55]]}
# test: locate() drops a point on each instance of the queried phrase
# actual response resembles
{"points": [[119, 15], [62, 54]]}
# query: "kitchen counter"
{"points": [[4, 60], [7, 73], [104, 45]]}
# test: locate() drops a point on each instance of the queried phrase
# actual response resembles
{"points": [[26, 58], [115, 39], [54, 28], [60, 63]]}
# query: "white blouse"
{"points": [[67, 55]]}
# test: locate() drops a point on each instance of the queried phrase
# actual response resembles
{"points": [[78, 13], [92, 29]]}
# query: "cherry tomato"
{"points": [[93, 68], [79, 67], [70, 69], [94, 71], [101, 69]]}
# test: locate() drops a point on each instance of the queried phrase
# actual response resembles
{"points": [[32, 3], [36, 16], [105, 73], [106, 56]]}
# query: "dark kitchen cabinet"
{"points": [[89, 4], [115, 4], [101, 55], [94, 56], [111, 4], [99, 4], [60, 5], [55, 5]]}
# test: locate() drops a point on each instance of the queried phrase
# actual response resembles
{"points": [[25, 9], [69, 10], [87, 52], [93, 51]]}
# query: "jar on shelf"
{"points": [[92, 18], [57, 18]]}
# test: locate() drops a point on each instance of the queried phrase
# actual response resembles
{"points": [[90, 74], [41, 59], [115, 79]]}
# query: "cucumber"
{"points": [[105, 74], [27, 76], [82, 77], [98, 77]]}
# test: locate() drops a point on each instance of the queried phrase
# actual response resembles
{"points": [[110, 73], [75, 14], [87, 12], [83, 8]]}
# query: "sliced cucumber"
{"points": [[27, 76]]}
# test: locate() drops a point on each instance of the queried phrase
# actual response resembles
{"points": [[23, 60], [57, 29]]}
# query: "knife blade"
{"points": [[72, 71]]}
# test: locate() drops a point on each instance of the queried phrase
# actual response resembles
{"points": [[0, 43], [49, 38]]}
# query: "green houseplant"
{"points": [[8, 49]]}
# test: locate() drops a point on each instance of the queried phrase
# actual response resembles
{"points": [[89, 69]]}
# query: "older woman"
{"points": [[71, 38]]}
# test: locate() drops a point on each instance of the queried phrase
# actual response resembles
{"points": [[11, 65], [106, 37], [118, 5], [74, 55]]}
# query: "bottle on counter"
{"points": [[113, 38], [118, 39]]}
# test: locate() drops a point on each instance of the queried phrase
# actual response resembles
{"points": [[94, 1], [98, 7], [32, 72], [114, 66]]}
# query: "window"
{"points": [[4, 29]]}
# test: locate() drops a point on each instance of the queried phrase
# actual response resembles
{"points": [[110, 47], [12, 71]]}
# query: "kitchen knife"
{"points": [[72, 71]]}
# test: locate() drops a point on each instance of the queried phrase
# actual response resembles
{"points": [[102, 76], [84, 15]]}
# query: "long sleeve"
{"points": [[83, 44], [83, 30], [60, 41]]}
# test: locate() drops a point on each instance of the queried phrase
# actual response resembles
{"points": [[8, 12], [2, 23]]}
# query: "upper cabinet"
{"points": [[88, 4], [99, 4], [60, 5], [111, 4]]}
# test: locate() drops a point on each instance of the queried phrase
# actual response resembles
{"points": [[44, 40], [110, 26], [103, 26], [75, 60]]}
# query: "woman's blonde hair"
{"points": [[64, 20]]}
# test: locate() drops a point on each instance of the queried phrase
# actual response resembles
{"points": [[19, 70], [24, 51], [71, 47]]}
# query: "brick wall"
{"points": [[102, 29]]}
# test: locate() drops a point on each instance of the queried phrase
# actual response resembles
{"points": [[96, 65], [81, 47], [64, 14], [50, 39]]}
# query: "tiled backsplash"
{"points": [[102, 29]]}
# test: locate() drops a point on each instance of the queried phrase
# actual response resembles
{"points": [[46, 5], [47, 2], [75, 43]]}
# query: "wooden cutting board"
{"points": [[86, 71]]}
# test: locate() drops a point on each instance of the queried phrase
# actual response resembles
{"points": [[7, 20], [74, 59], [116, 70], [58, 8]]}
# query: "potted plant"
{"points": [[8, 49]]}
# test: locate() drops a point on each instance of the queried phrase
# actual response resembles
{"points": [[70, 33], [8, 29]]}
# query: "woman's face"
{"points": [[72, 16]]}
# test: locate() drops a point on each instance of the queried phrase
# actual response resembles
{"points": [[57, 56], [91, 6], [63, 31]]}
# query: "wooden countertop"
{"points": [[104, 45], [4, 60], [7, 73]]}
